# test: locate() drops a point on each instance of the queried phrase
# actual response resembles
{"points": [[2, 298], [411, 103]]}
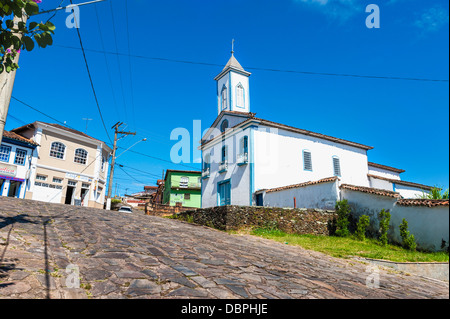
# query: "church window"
{"points": [[240, 95], [336, 166], [224, 97], [307, 162], [243, 145], [224, 125], [224, 154]]}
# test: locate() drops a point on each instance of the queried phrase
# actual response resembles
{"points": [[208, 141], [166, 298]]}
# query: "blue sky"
{"points": [[407, 122]]}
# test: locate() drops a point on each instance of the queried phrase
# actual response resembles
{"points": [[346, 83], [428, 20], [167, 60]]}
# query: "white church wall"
{"points": [[238, 175], [429, 225], [383, 173], [381, 184], [237, 78], [220, 83], [322, 196], [279, 159], [409, 191]]}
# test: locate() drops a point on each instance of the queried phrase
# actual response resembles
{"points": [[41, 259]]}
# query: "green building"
{"points": [[183, 187]]}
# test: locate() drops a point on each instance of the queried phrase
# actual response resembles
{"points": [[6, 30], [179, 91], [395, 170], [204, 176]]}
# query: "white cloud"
{"points": [[432, 19], [337, 9]]}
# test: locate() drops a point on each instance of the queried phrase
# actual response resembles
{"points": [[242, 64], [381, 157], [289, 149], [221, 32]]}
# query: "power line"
{"points": [[33, 108], [266, 69], [106, 62], [129, 64], [140, 171], [118, 61], [90, 77], [132, 176], [159, 159], [110, 144]]}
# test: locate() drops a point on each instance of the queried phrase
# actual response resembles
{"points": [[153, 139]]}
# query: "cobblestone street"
{"points": [[136, 256]]}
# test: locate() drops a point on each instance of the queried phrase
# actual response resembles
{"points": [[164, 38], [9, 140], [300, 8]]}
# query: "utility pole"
{"points": [[113, 160], [7, 79]]}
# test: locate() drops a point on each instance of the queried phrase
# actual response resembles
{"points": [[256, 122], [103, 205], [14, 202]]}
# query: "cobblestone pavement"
{"points": [[137, 256]]}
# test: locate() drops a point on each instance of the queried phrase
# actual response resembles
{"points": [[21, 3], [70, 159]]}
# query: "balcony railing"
{"points": [[223, 167], [242, 159]]}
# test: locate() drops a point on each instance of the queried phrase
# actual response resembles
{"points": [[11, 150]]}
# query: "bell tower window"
{"points": [[240, 95], [224, 97]]}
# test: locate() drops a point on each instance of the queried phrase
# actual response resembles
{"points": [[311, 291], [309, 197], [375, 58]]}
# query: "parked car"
{"points": [[125, 209]]}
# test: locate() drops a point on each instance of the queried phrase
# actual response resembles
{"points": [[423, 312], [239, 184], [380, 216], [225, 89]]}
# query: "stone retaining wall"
{"points": [[299, 221]]}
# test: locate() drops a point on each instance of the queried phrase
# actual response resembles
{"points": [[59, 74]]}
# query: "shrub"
{"points": [[115, 201], [361, 227], [408, 240], [385, 218], [343, 212]]}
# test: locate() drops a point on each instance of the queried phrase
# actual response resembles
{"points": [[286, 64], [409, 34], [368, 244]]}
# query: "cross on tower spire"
{"points": [[232, 46]]}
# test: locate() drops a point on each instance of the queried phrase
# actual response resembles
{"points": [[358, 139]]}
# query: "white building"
{"points": [[68, 166], [252, 161], [16, 155]]}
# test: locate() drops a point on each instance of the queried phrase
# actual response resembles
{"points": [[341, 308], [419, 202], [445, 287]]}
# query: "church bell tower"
{"points": [[233, 87]]}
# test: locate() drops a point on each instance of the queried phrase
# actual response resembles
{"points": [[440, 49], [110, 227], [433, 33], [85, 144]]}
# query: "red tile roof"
{"points": [[17, 137], [388, 168], [370, 190], [324, 180], [423, 202]]}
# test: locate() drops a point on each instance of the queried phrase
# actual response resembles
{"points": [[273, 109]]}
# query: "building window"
{"points": [[57, 150], [242, 157], [41, 177], [57, 180], [103, 163], [336, 166], [4, 153], [21, 156], [184, 182], [243, 145], [307, 162], [80, 156], [206, 166], [240, 95], [98, 194], [72, 183], [187, 196], [224, 97], [224, 126], [224, 154]]}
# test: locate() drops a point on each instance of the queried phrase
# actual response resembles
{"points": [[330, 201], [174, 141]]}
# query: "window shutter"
{"points": [[307, 163], [336, 166]]}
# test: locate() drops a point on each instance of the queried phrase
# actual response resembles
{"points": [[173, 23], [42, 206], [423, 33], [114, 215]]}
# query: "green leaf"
{"points": [[32, 25], [39, 40], [9, 24], [28, 42], [31, 8], [50, 26]]}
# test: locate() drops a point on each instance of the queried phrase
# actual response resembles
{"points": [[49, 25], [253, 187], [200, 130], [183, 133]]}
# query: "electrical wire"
{"points": [[90, 78], [269, 69]]}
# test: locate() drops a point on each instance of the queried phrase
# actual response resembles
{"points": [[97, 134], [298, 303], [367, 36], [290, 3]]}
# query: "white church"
{"points": [[249, 161]]}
